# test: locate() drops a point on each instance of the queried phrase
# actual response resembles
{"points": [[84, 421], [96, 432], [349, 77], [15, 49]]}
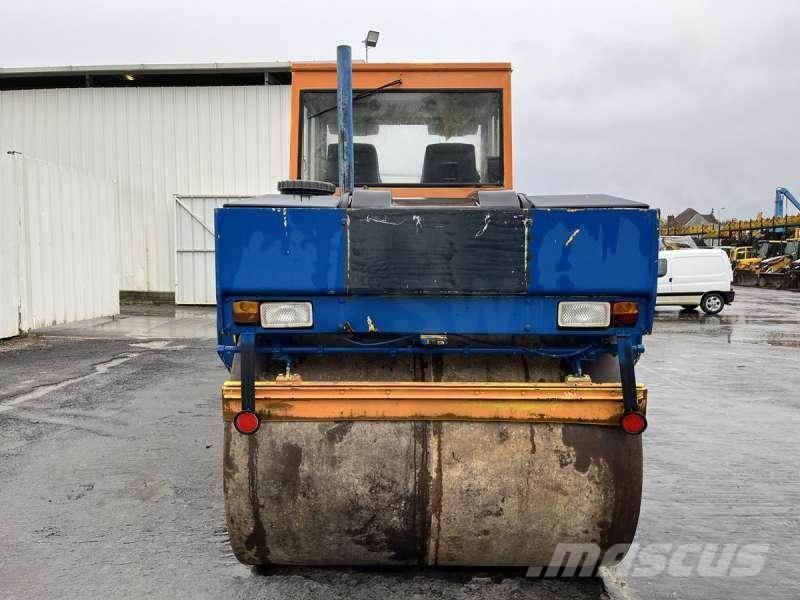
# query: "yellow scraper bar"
{"points": [[569, 402]]}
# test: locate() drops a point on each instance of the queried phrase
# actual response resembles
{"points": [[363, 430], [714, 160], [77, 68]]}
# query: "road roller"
{"points": [[427, 367]]}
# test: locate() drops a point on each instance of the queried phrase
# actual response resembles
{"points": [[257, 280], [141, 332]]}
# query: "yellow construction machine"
{"points": [[739, 253], [746, 269], [774, 272]]}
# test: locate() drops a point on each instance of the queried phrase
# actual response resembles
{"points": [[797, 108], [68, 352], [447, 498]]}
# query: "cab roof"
{"points": [[405, 66]]}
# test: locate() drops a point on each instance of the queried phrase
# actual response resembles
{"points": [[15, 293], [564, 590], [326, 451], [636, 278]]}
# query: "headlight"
{"points": [[584, 314], [286, 315]]}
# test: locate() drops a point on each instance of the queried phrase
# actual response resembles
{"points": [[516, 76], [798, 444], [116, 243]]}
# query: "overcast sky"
{"points": [[677, 103]]}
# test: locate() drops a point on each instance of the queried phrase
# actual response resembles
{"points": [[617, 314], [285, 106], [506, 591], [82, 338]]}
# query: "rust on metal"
{"points": [[428, 493], [569, 402]]}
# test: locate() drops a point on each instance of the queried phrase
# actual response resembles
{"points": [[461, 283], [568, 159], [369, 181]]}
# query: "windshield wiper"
{"points": [[360, 96]]}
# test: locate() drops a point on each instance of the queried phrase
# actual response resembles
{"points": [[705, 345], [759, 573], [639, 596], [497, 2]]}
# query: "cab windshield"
{"points": [[407, 138], [769, 249]]}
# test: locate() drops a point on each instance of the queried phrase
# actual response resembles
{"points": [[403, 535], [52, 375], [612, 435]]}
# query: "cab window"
{"points": [[407, 138]]}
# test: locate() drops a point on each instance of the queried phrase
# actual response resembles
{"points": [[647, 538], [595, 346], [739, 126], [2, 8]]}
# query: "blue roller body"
{"points": [[301, 253], [279, 251]]}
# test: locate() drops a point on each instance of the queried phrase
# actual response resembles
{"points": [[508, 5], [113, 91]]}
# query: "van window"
{"points": [[662, 267]]}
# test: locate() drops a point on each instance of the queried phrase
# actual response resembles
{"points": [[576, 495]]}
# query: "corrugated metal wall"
{"points": [[9, 248], [59, 249], [156, 142]]}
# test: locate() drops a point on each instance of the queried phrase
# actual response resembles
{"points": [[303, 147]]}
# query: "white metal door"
{"points": [[194, 248]]}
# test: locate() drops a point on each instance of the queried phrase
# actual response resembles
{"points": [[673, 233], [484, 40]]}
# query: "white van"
{"points": [[692, 278]]}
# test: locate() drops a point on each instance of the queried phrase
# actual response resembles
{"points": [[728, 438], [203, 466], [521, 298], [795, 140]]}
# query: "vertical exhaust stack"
{"points": [[344, 118]]}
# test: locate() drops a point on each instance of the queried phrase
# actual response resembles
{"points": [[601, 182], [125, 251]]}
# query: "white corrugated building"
{"points": [[152, 132]]}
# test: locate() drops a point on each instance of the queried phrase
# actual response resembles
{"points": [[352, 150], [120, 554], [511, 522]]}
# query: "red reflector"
{"points": [[624, 314], [633, 423], [246, 422]]}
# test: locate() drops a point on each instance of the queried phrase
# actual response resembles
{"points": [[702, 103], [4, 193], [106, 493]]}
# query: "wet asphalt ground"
{"points": [[110, 474]]}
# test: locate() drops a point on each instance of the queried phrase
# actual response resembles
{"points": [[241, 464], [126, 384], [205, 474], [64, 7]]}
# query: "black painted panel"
{"points": [[437, 251]]}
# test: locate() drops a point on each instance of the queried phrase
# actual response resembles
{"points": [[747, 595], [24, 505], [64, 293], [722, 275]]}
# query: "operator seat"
{"points": [[450, 163], [365, 159]]}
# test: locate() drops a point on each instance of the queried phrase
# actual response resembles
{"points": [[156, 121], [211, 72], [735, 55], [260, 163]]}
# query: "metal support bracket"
{"points": [[247, 345], [626, 373]]}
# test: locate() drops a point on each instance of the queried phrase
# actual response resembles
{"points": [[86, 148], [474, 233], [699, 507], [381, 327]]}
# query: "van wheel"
{"points": [[712, 303], [688, 306]]}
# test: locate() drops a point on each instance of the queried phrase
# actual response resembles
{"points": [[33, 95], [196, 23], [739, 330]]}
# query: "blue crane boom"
{"points": [[780, 194]]}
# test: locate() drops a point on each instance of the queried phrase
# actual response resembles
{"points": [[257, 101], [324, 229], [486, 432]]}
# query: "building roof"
{"points": [[687, 215], [684, 217], [189, 74], [234, 73], [405, 66], [148, 67]]}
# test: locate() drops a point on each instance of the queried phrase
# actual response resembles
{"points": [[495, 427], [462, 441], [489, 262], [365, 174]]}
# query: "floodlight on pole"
{"points": [[370, 42]]}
